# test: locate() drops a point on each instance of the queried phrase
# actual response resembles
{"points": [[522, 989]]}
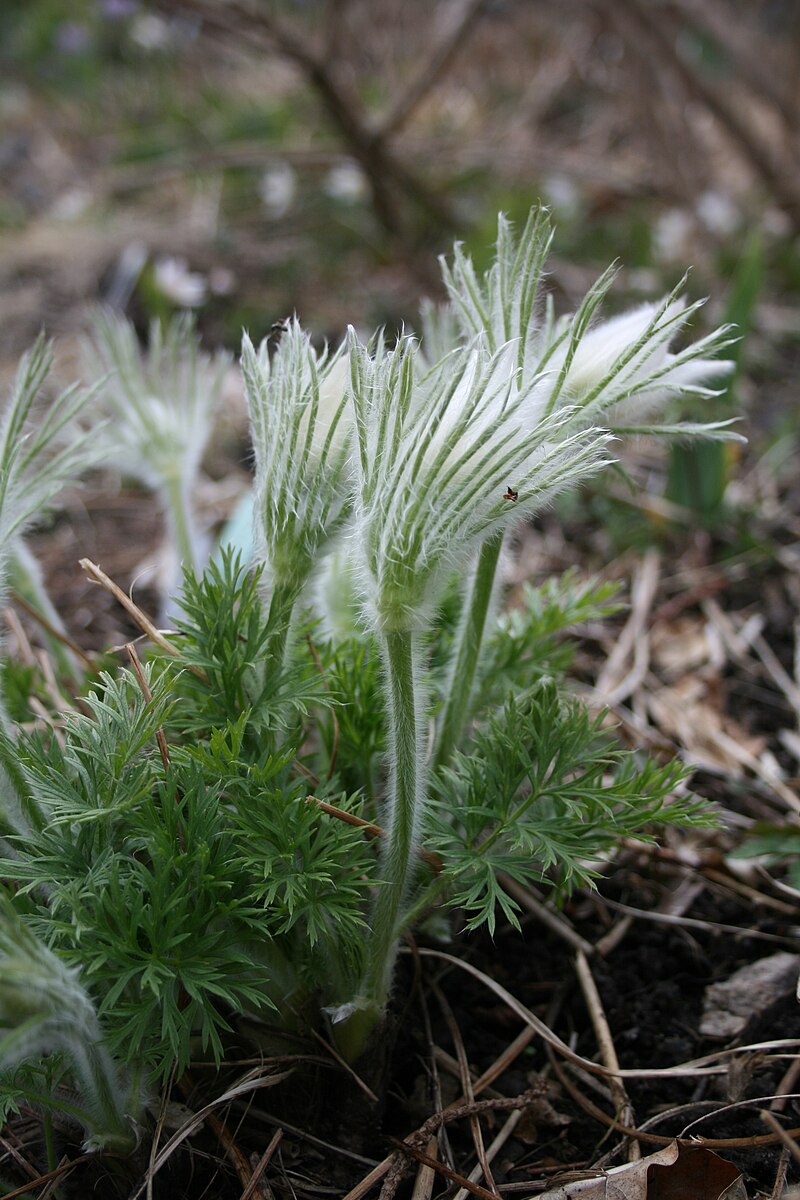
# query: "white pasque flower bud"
{"points": [[617, 373], [444, 461], [301, 428], [622, 373]]}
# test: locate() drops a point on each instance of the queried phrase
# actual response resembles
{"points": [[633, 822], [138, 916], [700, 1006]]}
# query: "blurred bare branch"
{"points": [[432, 70], [389, 177], [780, 172]]}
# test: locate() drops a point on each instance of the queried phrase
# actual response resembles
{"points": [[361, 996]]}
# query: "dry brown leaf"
{"points": [[689, 712], [680, 646], [681, 1171]]}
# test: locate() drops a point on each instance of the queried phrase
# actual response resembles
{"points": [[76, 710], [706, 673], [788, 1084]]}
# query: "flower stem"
{"points": [[281, 604], [398, 859], [109, 1124], [25, 576], [49, 1144], [405, 805], [468, 646], [181, 522]]}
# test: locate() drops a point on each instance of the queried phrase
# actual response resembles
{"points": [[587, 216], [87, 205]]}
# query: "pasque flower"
{"points": [[301, 430], [622, 373], [504, 408], [44, 1009], [445, 460], [618, 373], [36, 459], [161, 404], [446, 457], [42, 449]]}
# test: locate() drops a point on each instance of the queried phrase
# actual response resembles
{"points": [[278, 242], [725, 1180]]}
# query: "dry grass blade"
{"points": [[710, 1064], [24, 648], [97, 575], [504, 1060], [369, 1181], [786, 1086], [662, 918], [62, 1169], [18, 1158], [553, 921], [614, 684], [251, 1082], [365, 1088], [473, 1188], [426, 1175], [53, 632], [159, 1129], [781, 678], [347, 818], [261, 1165], [780, 1175], [377, 831], [494, 1148], [50, 1188], [136, 663], [58, 699], [606, 1043], [466, 1084]]}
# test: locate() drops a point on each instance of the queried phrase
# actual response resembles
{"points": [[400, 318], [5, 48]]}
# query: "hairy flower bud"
{"points": [[301, 430]]}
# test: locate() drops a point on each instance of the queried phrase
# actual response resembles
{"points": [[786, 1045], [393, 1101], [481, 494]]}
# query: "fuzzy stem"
{"points": [[281, 604], [49, 1144], [423, 902], [405, 805], [26, 578], [467, 651], [181, 521], [110, 1125], [398, 858]]}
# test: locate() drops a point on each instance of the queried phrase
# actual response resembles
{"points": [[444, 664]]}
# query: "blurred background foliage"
{"points": [[251, 158]]}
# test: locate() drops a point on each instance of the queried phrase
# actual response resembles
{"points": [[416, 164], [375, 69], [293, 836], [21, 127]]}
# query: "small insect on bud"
{"points": [[280, 326], [510, 494]]}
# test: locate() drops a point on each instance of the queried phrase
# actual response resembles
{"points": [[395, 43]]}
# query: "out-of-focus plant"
{"points": [[42, 449], [699, 473], [776, 846], [158, 406], [52, 1043]]}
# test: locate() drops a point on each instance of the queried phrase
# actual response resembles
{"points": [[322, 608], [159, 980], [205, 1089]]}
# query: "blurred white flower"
{"points": [[564, 196], [185, 288], [277, 188], [672, 236], [346, 182], [151, 32], [718, 213], [161, 405]]}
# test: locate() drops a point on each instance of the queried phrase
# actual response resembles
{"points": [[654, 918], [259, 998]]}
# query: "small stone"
{"points": [[729, 1005]]}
